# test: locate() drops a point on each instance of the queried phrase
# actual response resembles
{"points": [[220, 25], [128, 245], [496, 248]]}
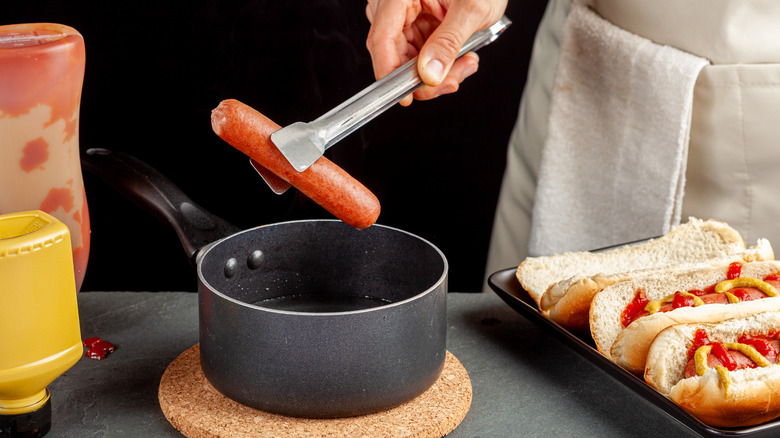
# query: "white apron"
{"points": [[735, 120]]}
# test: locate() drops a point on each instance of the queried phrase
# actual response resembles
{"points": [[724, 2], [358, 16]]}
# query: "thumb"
{"points": [[442, 47]]}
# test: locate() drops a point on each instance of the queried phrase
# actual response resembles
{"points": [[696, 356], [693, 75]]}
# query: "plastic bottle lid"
{"points": [[26, 231], [31, 424]]}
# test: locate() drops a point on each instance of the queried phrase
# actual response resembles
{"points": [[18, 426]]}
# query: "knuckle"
{"points": [[370, 43], [478, 8], [450, 41]]}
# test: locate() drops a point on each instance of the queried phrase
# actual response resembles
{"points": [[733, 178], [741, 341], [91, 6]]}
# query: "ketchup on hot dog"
{"points": [[734, 289], [750, 351]]}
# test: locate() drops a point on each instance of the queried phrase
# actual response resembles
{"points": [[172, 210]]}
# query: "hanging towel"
{"points": [[613, 165]]}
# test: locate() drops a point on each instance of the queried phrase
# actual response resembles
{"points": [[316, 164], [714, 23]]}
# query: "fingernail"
{"points": [[435, 69]]}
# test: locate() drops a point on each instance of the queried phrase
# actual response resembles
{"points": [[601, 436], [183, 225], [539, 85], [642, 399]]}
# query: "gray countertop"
{"points": [[525, 383]]}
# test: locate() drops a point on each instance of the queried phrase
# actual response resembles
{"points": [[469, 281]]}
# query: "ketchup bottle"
{"points": [[41, 75]]}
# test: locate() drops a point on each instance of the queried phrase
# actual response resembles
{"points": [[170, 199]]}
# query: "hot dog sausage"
{"points": [[323, 182]]}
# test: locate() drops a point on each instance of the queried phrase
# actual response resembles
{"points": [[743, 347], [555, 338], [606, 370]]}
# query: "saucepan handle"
{"points": [[158, 195]]}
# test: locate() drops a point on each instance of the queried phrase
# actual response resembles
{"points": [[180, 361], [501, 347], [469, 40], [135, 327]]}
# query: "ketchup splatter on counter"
{"points": [[97, 348], [41, 77]]}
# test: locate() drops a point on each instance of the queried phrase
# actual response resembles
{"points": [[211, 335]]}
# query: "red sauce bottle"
{"points": [[41, 75]]}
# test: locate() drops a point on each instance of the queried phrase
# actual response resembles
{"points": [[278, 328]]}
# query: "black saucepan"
{"points": [[308, 318]]}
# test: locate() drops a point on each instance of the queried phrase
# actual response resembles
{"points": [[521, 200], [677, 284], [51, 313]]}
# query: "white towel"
{"points": [[613, 165]]}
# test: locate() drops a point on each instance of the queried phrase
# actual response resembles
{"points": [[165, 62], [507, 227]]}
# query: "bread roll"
{"points": [[563, 285]]}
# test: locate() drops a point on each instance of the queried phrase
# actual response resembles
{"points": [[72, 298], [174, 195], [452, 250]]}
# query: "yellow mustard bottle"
{"points": [[40, 336]]}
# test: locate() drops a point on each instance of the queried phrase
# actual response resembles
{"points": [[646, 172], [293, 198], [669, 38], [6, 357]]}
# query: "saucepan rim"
{"points": [[204, 252]]}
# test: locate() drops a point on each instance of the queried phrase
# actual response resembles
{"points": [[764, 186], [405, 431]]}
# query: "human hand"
{"points": [[433, 30]]}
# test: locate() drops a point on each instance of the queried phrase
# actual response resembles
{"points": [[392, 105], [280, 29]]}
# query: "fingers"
{"points": [[386, 41], [400, 27], [460, 22], [461, 69]]}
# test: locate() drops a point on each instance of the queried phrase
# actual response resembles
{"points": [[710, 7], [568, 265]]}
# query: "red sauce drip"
{"points": [[634, 308], [734, 271], [700, 339], [97, 348], [742, 293], [772, 277], [762, 345], [56, 198], [681, 300], [723, 355], [34, 154]]}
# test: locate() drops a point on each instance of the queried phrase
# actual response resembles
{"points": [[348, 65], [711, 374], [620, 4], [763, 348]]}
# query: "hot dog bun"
{"points": [[628, 346], [753, 394], [563, 285]]}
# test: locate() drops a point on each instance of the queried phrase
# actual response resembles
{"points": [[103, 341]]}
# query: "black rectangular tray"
{"points": [[506, 285]]}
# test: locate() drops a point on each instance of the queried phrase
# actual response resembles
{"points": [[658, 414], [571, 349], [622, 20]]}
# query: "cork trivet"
{"points": [[198, 410]]}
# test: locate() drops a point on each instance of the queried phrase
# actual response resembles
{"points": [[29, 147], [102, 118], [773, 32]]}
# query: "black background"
{"points": [[155, 70]]}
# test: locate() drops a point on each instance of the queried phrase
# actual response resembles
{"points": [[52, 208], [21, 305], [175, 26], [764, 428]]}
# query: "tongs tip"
{"points": [[299, 145]]}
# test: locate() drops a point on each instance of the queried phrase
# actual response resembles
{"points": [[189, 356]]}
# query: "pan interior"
{"points": [[322, 266]]}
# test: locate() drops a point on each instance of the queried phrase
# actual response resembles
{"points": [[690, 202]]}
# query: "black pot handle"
{"points": [[155, 193]]}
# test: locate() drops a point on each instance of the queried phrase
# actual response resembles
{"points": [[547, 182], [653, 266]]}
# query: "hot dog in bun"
{"points": [[626, 317], [725, 374]]}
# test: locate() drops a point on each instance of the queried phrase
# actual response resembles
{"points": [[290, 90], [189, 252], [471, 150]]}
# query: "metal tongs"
{"points": [[304, 143]]}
